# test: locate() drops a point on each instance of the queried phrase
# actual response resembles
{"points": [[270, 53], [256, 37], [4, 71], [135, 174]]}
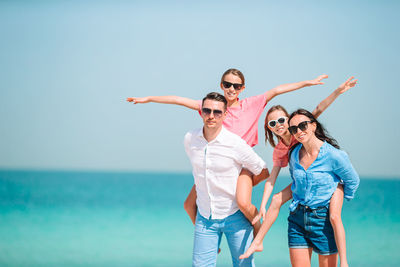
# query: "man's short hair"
{"points": [[216, 97]]}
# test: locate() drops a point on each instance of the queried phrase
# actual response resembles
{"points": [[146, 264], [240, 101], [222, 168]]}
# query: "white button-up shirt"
{"points": [[216, 167]]}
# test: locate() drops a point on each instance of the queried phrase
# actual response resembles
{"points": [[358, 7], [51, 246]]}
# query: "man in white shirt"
{"points": [[217, 157]]}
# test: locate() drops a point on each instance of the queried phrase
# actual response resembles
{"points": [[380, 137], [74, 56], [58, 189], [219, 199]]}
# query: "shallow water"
{"points": [[137, 219]]}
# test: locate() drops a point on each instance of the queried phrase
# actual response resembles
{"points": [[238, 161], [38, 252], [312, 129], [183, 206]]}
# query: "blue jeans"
{"points": [[207, 238], [311, 228]]}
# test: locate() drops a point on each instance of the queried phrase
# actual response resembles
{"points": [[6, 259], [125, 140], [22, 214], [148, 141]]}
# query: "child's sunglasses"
{"points": [[280, 120], [236, 86]]}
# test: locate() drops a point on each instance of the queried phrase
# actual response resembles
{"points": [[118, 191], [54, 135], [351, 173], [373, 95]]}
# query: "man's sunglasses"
{"points": [[217, 113], [280, 120], [302, 126], [227, 85]]}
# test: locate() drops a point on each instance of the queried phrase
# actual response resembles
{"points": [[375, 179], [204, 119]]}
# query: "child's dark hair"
{"points": [[235, 72]]}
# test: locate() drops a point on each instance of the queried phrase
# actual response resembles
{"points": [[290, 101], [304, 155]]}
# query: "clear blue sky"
{"points": [[66, 68]]}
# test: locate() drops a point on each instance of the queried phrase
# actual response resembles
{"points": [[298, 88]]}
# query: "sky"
{"points": [[66, 68]]}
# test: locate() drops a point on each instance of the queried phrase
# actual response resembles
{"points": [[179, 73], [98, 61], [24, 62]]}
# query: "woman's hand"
{"points": [[137, 100], [347, 85]]}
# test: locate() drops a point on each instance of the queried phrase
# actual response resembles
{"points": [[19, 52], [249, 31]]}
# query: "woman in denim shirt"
{"points": [[317, 166], [286, 142]]}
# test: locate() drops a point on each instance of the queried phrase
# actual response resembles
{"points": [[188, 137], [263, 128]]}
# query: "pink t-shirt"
{"points": [[280, 156], [243, 118]]}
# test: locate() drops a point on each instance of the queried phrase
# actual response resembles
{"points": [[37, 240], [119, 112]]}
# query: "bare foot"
{"points": [[344, 264], [254, 247]]}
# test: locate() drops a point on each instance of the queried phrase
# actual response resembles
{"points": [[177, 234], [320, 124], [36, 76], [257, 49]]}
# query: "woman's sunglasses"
{"points": [[227, 85], [280, 120], [302, 126], [217, 113]]}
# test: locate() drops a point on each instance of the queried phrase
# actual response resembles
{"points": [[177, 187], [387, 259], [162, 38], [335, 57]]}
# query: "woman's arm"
{"points": [[345, 170], [269, 186], [176, 100], [329, 100], [285, 88]]}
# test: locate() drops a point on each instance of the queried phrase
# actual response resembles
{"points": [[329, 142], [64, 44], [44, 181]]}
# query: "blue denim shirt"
{"points": [[314, 187]]}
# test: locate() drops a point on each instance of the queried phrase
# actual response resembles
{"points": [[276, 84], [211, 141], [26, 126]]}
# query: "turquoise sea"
{"points": [[50, 218]]}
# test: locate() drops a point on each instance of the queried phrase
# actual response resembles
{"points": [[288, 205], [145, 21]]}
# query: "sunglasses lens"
{"points": [[272, 124], [218, 113], [293, 130], [303, 125], [237, 86], [226, 84], [206, 111], [282, 120]]}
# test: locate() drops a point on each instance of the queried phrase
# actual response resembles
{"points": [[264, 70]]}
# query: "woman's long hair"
{"points": [[320, 131], [269, 135]]}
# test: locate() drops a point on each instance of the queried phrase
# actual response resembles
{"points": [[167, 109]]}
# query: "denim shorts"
{"points": [[311, 228]]}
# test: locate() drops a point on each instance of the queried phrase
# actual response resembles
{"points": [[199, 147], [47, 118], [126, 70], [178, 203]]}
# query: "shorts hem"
{"points": [[299, 246], [325, 253]]}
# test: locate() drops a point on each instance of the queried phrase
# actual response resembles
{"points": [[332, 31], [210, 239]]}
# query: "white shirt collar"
{"points": [[220, 137]]}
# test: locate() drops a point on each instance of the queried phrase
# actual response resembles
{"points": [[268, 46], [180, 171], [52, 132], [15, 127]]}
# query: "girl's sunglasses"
{"points": [[217, 113], [227, 85], [280, 120], [302, 126]]}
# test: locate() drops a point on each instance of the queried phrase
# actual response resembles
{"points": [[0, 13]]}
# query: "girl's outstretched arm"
{"points": [[285, 88], [329, 100], [269, 185], [175, 100]]}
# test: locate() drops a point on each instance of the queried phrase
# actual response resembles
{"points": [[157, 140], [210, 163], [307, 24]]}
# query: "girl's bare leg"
{"points": [[327, 260], [243, 197], [272, 213], [190, 204], [300, 257], [335, 211]]}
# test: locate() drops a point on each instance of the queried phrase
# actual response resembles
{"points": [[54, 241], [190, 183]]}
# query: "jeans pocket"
{"points": [[320, 213]]}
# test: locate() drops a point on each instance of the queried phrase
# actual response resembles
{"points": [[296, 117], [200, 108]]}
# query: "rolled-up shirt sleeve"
{"points": [[249, 159], [346, 172]]}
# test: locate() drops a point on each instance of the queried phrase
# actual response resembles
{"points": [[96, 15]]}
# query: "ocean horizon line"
{"points": [[147, 172]]}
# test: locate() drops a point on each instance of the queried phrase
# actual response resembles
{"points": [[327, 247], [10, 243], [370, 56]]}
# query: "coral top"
{"points": [[280, 156], [243, 118]]}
